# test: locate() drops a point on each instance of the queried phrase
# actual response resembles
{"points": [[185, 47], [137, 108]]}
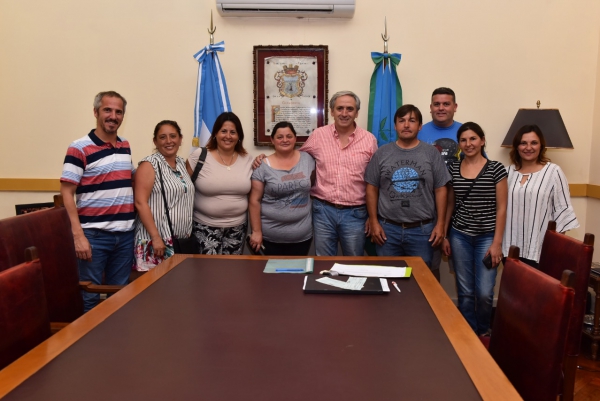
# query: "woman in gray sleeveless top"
{"points": [[280, 205]]}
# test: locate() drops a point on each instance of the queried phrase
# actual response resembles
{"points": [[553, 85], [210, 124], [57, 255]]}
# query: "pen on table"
{"points": [[396, 285], [289, 270]]}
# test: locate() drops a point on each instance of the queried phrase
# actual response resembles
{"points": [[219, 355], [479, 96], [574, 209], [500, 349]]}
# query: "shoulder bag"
{"points": [[466, 195], [199, 165], [180, 245]]}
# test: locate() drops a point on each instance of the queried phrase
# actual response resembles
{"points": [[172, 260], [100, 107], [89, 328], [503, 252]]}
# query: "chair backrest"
{"points": [[530, 329], [561, 252], [24, 321], [49, 231]]}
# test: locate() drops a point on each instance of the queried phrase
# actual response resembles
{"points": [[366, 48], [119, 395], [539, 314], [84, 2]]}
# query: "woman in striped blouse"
{"points": [[153, 241], [477, 210], [538, 192]]}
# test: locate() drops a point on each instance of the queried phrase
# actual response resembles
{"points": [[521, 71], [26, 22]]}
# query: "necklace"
{"points": [[230, 161]]}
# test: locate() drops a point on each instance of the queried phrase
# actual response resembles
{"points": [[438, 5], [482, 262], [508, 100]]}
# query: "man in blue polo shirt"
{"points": [[441, 131], [98, 172]]}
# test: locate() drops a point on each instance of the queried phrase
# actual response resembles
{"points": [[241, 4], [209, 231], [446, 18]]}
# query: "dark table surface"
{"points": [[220, 329]]}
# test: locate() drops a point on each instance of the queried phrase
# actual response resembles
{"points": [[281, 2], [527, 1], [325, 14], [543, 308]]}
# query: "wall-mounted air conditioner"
{"points": [[286, 8]]}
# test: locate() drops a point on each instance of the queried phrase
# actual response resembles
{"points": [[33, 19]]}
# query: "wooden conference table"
{"points": [[217, 328]]}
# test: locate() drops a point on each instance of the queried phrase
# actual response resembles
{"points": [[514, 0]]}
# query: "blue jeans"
{"points": [[474, 282], [407, 241], [112, 256], [344, 225]]}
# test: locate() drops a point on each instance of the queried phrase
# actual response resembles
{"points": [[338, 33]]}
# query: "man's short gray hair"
{"points": [[344, 93], [99, 96]]}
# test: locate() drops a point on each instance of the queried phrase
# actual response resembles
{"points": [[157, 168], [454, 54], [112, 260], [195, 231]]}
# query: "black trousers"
{"points": [[287, 249]]}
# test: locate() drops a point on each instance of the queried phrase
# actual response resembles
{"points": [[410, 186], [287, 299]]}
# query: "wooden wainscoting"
{"points": [[53, 185]]}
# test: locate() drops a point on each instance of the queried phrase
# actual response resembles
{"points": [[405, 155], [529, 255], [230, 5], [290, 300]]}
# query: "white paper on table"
{"points": [[353, 283], [369, 270]]}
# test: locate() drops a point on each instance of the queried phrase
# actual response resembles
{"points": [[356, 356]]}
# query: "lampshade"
{"points": [[549, 121]]}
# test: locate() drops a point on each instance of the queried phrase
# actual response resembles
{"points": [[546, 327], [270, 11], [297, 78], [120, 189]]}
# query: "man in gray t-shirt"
{"points": [[406, 192]]}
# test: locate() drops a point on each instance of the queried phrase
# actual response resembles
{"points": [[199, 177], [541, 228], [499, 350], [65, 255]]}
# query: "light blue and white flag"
{"points": [[212, 98], [385, 97]]}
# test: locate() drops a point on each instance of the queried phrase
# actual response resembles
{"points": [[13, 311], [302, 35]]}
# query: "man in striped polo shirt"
{"points": [[98, 172]]}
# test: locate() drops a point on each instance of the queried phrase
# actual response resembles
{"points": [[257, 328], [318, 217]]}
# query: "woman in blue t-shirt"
{"points": [[475, 221], [280, 205]]}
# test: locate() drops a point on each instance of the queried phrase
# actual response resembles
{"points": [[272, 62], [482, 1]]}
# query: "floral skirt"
{"points": [[144, 254], [220, 240]]}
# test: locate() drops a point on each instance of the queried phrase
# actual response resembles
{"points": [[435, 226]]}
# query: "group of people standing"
{"points": [[432, 191], [487, 207]]}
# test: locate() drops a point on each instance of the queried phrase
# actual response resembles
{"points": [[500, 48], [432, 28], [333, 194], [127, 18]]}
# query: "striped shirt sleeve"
{"points": [[562, 212], [74, 165]]}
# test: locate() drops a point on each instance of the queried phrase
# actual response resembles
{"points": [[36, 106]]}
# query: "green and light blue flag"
{"points": [[385, 97]]}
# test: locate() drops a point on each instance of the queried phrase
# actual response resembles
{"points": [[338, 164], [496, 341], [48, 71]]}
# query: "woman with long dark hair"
{"points": [[538, 192], [222, 187], [476, 216]]}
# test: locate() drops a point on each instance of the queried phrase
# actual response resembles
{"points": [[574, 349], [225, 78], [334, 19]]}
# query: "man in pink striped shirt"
{"points": [[341, 151]]}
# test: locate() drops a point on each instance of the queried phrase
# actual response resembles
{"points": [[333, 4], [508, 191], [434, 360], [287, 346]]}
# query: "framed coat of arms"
{"points": [[290, 84]]}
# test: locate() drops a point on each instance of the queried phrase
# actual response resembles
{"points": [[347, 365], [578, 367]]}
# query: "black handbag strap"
{"points": [[199, 165], [462, 200], [162, 190]]}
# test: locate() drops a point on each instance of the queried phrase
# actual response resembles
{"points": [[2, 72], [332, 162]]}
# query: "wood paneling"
{"points": [[579, 189], [53, 185], [30, 184]]}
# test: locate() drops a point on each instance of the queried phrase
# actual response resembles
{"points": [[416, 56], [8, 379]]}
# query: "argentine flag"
{"points": [[212, 98], [385, 97]]}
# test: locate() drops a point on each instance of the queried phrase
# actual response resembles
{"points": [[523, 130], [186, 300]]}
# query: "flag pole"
{"points": [[212, 97], [385, 38], [212, 30]]}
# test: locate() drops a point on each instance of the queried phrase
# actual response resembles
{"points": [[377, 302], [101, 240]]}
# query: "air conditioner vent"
{"points": [[287, 8]]}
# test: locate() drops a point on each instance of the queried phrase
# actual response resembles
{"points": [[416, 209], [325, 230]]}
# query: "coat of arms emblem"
{"points": [[290, 81]]}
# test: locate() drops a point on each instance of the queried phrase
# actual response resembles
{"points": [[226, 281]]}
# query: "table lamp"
{"points": [[549, 121]]}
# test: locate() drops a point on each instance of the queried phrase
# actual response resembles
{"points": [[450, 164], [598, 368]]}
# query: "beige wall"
{"points": [[498, 57], [595, 144], [592, 222]]}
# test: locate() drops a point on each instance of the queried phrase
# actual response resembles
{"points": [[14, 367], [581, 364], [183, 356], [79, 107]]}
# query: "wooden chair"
{"points": [[50, 232], [559, 252], [529, 331], [24, 321]]}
